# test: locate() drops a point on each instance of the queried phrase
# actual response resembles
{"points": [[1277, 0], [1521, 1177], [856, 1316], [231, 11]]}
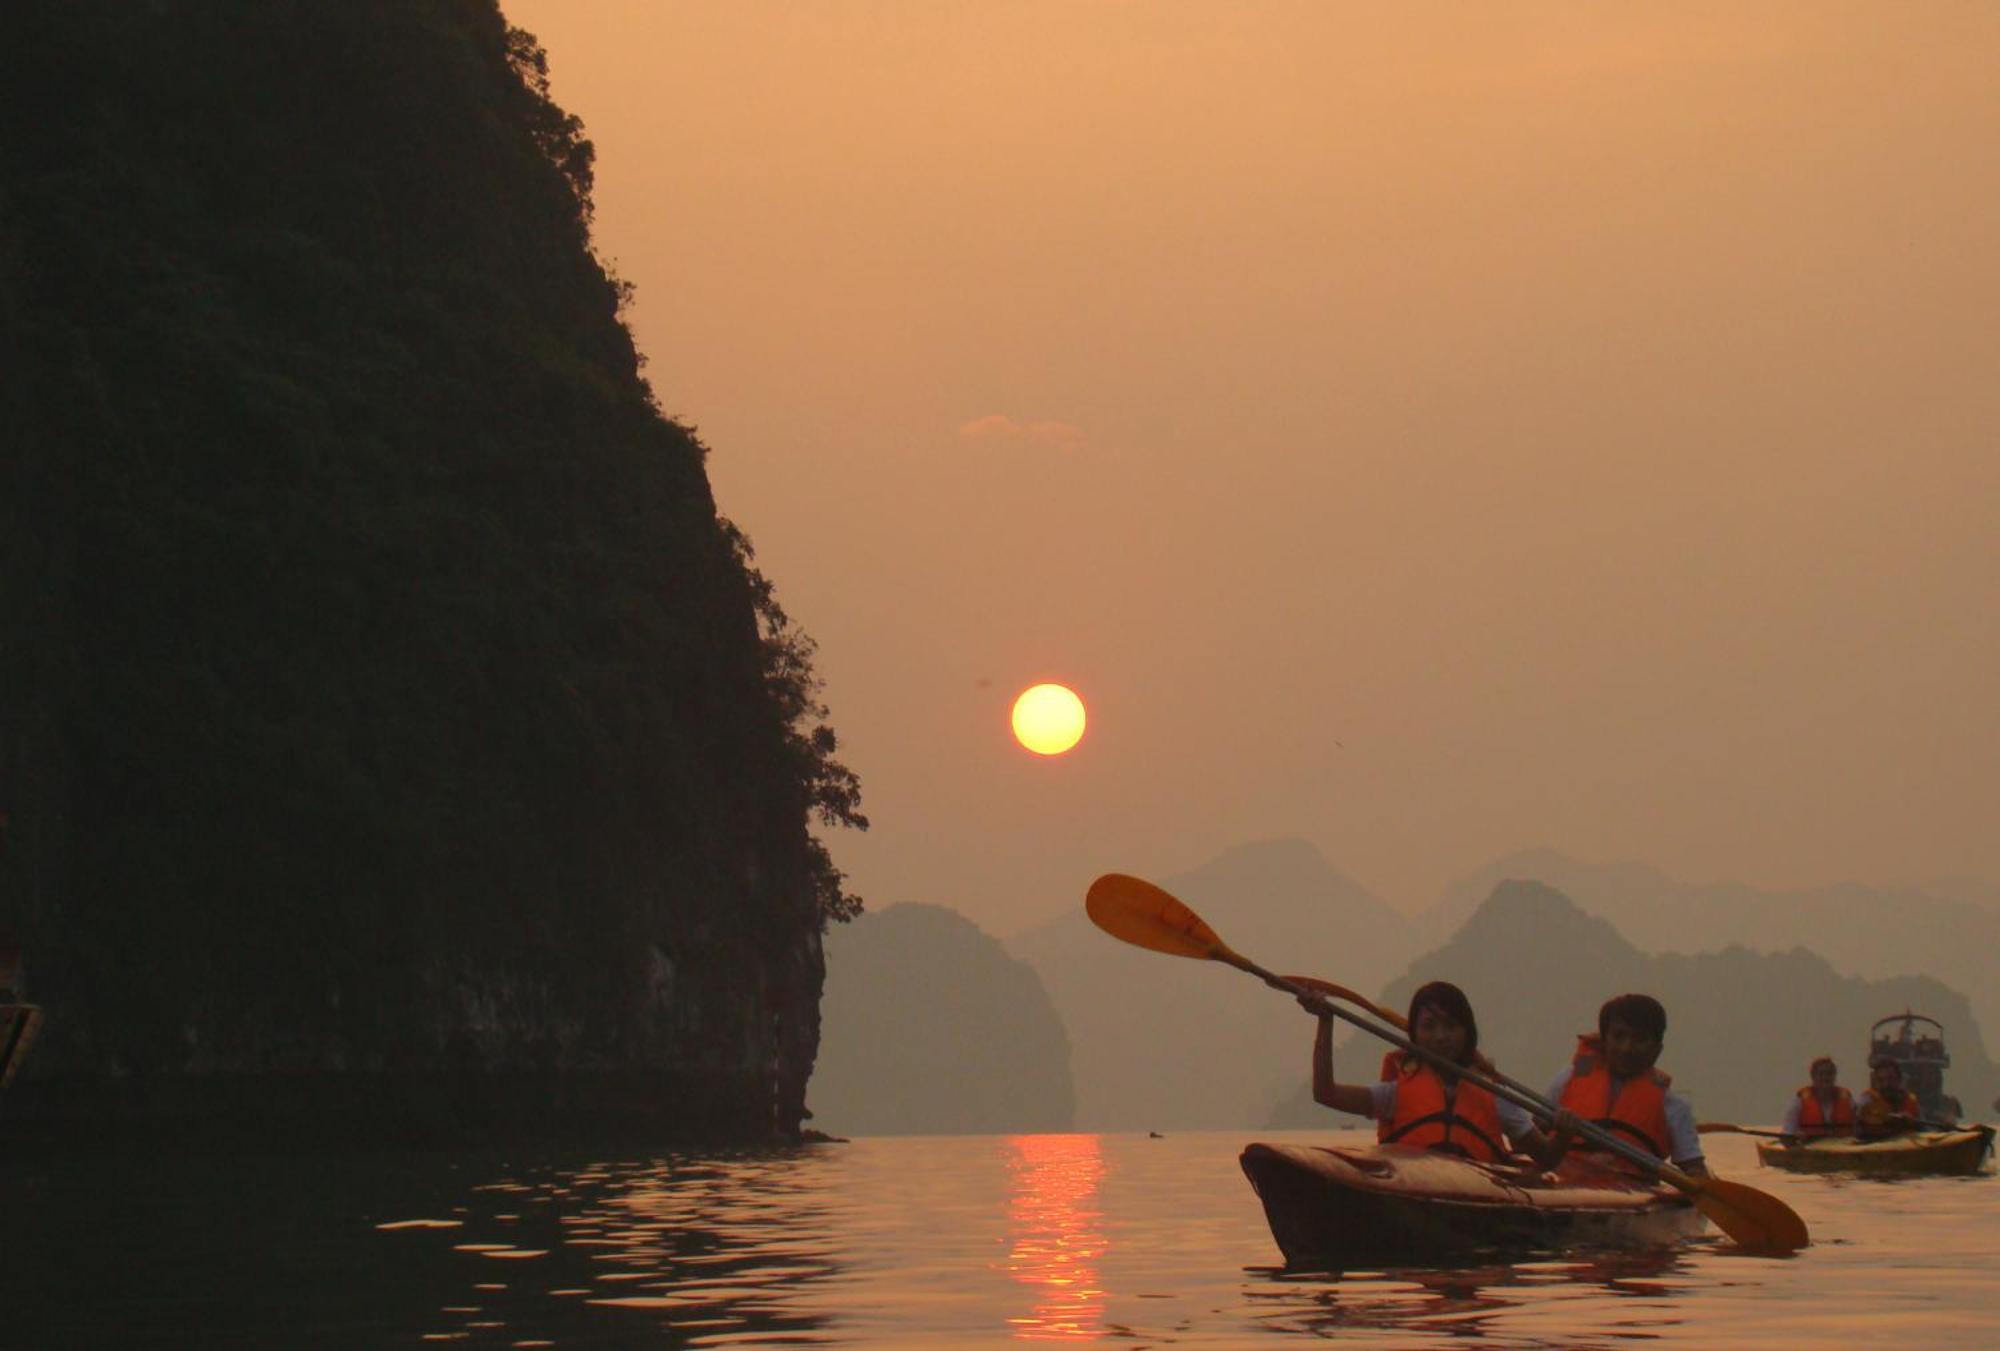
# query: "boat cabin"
{"points": [[1916, 1043]]}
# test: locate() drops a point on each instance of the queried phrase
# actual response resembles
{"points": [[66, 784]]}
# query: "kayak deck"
{"points": [[1934, 1153], [1331, 1206]]}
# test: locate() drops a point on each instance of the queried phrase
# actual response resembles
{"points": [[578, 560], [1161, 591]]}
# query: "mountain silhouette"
{"points": [[1741, 1025], [928, 1027], [1949, 933]]}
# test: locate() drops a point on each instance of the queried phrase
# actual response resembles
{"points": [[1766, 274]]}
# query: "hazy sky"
{"points": [[1428, 430]]}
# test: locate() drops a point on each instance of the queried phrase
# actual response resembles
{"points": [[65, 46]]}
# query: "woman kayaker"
{"points": [[1822, 1107], [1886, 1106], [1415, 1104]]}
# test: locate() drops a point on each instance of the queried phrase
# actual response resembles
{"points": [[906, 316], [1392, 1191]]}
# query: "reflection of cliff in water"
{"points": [[1460, 1302], [722, 1249], [1055, 1230]]}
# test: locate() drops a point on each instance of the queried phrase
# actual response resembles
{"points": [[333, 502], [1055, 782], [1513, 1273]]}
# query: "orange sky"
{"points": [[1429, 430]]}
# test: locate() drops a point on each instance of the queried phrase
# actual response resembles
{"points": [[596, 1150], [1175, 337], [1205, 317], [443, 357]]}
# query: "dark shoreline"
{"points": [[354, 1111]]}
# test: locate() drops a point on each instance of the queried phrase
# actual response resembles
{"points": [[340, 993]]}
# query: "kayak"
{"points": [[1338, 1206], [1953, 1152]]}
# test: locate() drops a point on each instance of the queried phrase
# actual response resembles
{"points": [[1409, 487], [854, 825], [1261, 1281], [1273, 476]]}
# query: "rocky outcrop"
{"points": [[392, 728]]}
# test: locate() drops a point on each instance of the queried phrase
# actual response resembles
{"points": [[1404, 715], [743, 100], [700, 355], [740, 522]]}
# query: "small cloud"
{"points": [[999, 429]]}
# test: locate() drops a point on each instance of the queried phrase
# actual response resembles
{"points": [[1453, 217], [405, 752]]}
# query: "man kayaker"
{"points": [[1886, 1106], [1822, 1107], [1415, 1104], [1614, 1082]]}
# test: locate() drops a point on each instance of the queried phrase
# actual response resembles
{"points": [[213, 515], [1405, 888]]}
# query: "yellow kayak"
{"points": [[1946, 1152]]}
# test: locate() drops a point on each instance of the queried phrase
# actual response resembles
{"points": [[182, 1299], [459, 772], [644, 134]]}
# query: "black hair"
{"points": [[1825, 1060], [1640, 1012], [1449, 1000]]}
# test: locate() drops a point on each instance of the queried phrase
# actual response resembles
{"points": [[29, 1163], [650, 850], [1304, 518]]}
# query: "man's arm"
{"points": [[1683, 1138]]}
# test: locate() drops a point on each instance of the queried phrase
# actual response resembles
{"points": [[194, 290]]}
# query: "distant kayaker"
{"points": [[1822, 1107], [1614, 1082], [1415, 1104], [1886, 1106]]}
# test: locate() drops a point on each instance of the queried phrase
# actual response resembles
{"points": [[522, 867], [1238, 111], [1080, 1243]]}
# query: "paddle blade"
{"points": [[1133, 909], [1757, 1221]]}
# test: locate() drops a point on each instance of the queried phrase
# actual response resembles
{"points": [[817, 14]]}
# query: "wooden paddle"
{"points": [[1139, 913], [1389, 1016], [1731, 1128]]}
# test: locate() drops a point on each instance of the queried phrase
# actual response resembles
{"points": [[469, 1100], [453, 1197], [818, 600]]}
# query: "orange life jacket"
{"points": [[1392, 1072], [1812, 1121], [1467, 1122], [1879, 1106], [1639, 1109]]}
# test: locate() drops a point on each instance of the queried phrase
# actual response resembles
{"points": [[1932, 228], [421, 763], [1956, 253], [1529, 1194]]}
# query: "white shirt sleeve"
{"points": [[1790, 1125], [1561, 1081], [1514, 1120], [1382, 1097], [1682, 1137]]}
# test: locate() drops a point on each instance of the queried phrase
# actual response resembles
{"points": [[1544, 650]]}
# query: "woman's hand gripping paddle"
{"points": [[1137, 912]]}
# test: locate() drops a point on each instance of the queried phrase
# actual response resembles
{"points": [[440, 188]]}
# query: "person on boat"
{"points": [[1886, 1106], [1414, 1103], [1614, 1082], [1822, 1107]]}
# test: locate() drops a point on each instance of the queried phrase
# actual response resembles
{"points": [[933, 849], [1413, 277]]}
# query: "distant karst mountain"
{"points": [[1951, 931], [1159, 1042], [928, 1027], [1742, 1025]]}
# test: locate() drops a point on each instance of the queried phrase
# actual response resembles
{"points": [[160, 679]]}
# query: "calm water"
{"points": [[913, 1241]]}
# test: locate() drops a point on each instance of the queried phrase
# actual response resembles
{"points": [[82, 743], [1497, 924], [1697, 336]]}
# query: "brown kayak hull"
{"points": [[1337, 1206]]}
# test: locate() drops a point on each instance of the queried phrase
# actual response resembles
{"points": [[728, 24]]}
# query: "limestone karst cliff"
{"points": [[390, 720]]}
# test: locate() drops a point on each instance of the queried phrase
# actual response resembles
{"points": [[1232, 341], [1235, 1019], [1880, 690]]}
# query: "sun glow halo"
{"points": [[1048, 719]]}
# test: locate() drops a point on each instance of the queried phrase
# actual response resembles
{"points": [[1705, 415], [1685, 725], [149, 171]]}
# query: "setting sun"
{"points": [[1048, 719]]}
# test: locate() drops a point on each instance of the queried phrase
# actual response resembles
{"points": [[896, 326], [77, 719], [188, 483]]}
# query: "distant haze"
{"points": [[929, 1027], [1861, 931], [1425, 430], [1164, 1042]]}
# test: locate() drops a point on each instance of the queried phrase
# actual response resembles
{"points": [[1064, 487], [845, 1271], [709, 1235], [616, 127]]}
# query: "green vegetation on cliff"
{"points": [[382, 690]]}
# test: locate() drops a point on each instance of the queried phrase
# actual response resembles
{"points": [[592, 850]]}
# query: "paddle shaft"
{"points": [[1708, 1127], [1499, 1085]]}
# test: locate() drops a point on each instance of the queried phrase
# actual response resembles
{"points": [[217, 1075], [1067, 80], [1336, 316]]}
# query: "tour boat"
{"points": [[1916, 1044], [1336, 1206]]}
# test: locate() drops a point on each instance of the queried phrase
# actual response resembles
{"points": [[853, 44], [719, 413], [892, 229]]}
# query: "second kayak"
{"points": [[1950, 1153]]}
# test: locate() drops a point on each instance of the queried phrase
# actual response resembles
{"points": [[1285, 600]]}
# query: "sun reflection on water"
{"points": [[1056, 1235]]}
